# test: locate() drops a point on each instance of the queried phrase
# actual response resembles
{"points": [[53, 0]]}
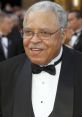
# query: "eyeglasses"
{"points": [[42, 35]]}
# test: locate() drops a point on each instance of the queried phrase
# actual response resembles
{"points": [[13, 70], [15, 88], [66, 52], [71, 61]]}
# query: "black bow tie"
{"points": [[36, 69], [75, 34]]}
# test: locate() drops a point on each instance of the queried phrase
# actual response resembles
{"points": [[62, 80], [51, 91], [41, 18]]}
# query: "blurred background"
{"points": [[67, 4]]}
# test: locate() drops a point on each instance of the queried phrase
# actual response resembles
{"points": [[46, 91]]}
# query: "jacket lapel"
{"points": [[63, 106], [22, 99]]}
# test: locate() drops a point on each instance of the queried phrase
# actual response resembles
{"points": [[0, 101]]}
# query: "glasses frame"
{"points": [[38, 33]]}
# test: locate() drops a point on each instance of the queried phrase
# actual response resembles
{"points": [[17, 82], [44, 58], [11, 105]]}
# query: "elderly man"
{"points": [[46, 81]]}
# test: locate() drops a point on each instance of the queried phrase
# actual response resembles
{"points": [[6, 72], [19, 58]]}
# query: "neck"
{"points": [[56, 58]]}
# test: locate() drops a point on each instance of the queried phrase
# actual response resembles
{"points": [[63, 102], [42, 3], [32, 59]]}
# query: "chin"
{"points": [[39, 62], [36, 61]]}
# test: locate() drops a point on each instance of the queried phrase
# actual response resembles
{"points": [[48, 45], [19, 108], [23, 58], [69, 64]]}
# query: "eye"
{"points": [[45, 34], [28, 32]]}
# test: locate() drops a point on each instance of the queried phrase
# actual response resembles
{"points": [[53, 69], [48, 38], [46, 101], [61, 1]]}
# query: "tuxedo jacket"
{"points": [[16, 84], [78, 45]]}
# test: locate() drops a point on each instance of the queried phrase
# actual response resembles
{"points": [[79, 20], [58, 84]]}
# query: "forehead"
{"points": [[41, 18], [72, 15]]}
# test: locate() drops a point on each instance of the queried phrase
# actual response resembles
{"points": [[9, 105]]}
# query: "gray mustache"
{"points": [[37, 46]]}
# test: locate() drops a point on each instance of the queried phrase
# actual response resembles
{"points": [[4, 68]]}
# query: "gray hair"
{"points": [[47, 5]]}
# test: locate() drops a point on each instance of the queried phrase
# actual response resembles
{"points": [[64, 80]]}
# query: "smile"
{"points": [[36, 51]]}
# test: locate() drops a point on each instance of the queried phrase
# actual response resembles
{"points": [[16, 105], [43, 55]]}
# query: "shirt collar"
{"points": [[79, 30], [58, 57]]}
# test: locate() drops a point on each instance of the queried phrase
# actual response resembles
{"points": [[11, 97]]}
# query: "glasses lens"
{"points": [[28, 34]]}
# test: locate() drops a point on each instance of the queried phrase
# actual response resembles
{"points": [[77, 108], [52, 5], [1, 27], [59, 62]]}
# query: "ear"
{"points": [[81, 20], [67, 33], [63, 35]]}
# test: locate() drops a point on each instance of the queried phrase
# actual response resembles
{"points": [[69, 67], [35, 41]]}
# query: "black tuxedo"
{"points": [[78, 45], [15, 88]]}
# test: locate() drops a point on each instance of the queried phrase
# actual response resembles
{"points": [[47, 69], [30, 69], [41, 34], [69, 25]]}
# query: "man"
{"points": [[75, 23], [46, 81], [10, 45], [5, 28]]}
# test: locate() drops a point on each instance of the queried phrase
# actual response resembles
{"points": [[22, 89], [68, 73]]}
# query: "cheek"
{"points": [[55, 46], [50, 49], [25, 43], [74, 22]]}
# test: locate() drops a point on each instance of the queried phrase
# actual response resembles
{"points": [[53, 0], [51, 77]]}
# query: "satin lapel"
{"points": [[63, 106], [22, 101]]}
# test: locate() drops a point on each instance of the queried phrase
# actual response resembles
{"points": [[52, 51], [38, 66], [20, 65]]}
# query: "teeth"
{"points": [[35, 49]]}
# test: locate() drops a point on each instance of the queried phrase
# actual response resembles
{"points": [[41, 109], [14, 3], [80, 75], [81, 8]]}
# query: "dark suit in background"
{"points": [[15, 44], [16, 87], [78, 45]]}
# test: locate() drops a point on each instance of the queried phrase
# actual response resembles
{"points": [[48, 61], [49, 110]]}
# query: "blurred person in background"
{"points": [[75, 23], [9, 43], [5, 28], [15, 36]]}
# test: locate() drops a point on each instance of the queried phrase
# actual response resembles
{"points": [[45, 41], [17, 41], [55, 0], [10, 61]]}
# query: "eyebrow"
{"points": [[39, 29]]}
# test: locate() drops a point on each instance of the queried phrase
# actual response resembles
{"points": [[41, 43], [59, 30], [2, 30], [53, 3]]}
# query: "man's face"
{"points": [[7, 25], [40, 50], [73, 22]]}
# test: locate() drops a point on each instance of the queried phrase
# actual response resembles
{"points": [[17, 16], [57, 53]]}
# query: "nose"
{"points": [[35, 38]]}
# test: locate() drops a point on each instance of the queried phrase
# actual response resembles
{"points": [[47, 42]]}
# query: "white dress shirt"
{"points": [[4, 42], [44, 88]]}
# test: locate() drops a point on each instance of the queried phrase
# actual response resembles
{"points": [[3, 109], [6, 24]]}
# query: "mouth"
{"points": [[36, 51]]}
